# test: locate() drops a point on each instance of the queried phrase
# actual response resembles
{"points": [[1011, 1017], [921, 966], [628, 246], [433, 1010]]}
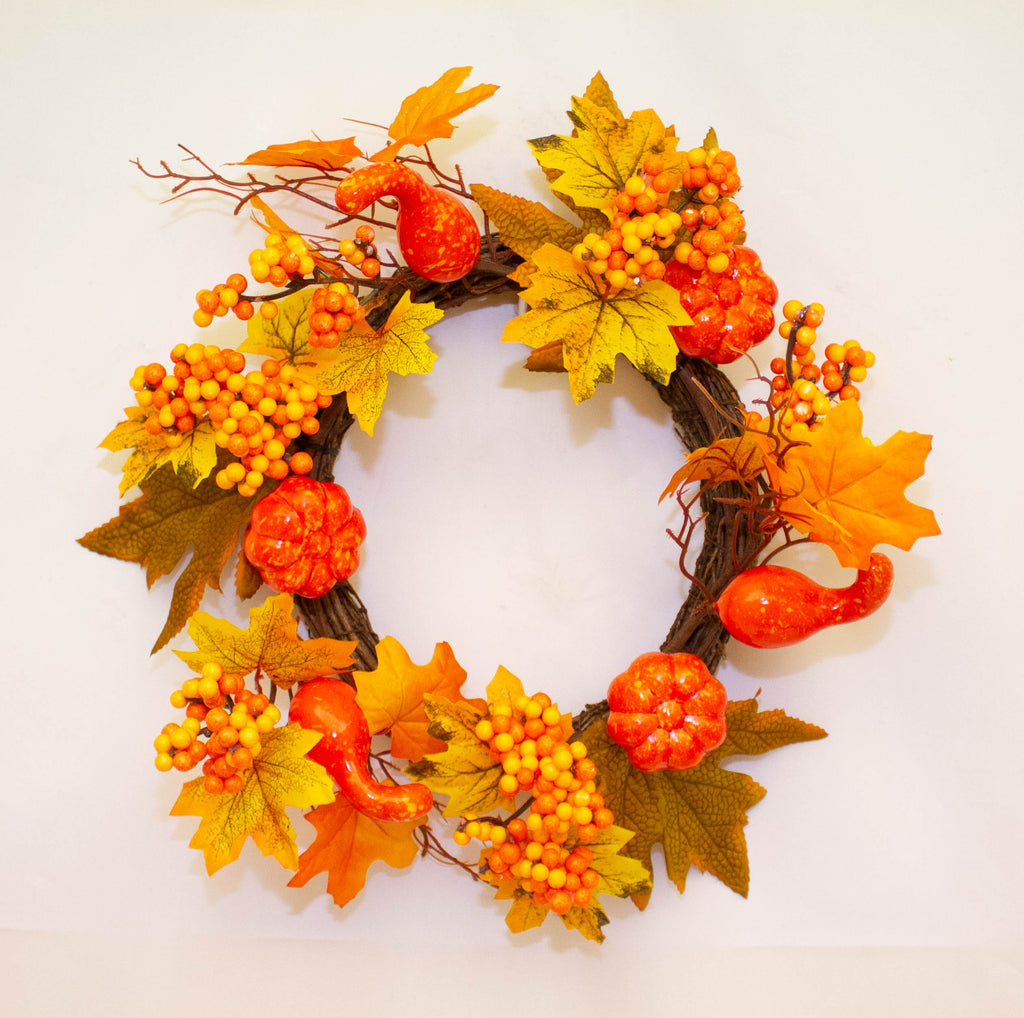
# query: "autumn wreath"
{"points": [[649, 261]]}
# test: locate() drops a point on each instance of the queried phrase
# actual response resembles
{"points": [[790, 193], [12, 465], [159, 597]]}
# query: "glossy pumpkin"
{"points": [[666, 711], [772, 606], [329, 706], [731, 310], [304, 537], [438, 236]]}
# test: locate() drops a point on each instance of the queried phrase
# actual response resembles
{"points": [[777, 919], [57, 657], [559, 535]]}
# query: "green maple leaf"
{"points": [[567, 307], [698, 815], [361, 364], [192, 460], [604, 150], [158, 529]]}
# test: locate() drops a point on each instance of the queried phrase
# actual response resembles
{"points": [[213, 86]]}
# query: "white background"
{"points": [[880, 148]]}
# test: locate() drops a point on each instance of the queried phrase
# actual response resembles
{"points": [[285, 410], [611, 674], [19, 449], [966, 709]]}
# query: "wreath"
{"points": [[233, 449]]}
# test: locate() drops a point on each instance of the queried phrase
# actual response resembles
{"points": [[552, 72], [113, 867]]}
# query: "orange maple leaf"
{"points": [[319, 155], [347, 842], [391, 696], [426, 114], [843, 490]]}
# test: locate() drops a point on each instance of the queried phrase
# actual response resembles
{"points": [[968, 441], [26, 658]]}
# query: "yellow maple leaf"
{"points": [[843, 490], [465, 770], [524, 225], [270, 644], [426, 114], [567, 306], [347, 843], [359, 366], [286, 335], [191, 461], [320, 155], [281, 776], [167, 521], [391, 696], [605, 149]]}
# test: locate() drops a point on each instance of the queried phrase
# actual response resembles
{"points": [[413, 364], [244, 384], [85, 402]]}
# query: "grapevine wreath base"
{"points": [[236, 446]]}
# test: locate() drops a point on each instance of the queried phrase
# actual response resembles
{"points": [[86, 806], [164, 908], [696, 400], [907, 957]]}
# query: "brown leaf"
{"points": [[170, 519], [698, 815], [524, 225]]}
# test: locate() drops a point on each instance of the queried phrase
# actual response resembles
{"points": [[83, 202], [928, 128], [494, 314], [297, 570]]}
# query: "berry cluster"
{"points": [[546, 852], [361, 252], [255, 416], [217, 705], [333, 310], [642, 226], [710, 173], [266, 411], [803, 391]]}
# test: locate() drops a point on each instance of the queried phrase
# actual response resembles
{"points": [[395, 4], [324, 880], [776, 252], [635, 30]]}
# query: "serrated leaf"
{"points": [[347, 843], [285, 336], [270, 645], [727, 459], [159, 528], [843, 490], [465, 770], [281, 776], [360, 365], [604, 150], [192, 460], [567, 306], [698, 815], [524, 225], [426, 114], [391, 696], [320, 155]]}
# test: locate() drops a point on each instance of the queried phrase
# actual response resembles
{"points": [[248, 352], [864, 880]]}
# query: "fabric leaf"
{"points": [[320, 155], [280, 776], [524, 225], [567, 306]]}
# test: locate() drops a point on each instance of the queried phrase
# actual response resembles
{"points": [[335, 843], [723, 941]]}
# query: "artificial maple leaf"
{"points": [[567, 306], [347, 842], [426, 114], [320, 155], [269, 645], [286, 335], [599, 92], [465, 770], [192, 460], [391, 696], [604, 150], [359, 366], [727, 459], [619, 875], [524, 225], [699, 814], [843, 490], [159, 528], [281, 776]]}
